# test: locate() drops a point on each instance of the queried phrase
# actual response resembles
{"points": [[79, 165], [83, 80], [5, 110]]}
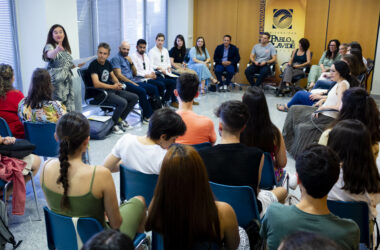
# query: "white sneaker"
{"points": [[293, 181], [117, 130], [124, 125]]}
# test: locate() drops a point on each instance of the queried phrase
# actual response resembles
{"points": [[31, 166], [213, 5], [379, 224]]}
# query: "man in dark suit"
{"points": [[226, 58]]}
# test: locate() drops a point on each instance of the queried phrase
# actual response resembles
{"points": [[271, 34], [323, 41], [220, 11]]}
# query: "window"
{"points": [[112, 21], [8, 39]]}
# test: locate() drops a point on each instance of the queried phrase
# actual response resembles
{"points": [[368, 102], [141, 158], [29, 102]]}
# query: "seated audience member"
{"points": [[39, 106], [177, 56], [9, 100], [260, 132], [362, 67], [359, 179], [233, 163], [356, 45], [321, 88], [125, 71], [199, 60], [300, 59], [145, 70], [109, 240], [343, 49], [226, 58], [358, 104], [304, 124], [145, 153], [330, 56], [318, 170], [183, 209], [199, 128], [309, 241], [73, 188], [159, 57], [103, 77], [262, 55]]}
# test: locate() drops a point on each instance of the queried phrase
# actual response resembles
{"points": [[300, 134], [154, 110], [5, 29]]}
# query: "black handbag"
{"points": [[19, 149], [155, 102]]}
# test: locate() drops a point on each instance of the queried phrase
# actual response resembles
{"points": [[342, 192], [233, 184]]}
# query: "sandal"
{"points": [[282, 108]]}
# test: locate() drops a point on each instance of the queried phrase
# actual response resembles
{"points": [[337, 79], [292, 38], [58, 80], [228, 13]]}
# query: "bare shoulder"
{"points": [[224, 209]]}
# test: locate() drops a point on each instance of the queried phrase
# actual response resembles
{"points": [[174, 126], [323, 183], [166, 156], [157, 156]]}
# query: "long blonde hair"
{"points": [[6, 76]]}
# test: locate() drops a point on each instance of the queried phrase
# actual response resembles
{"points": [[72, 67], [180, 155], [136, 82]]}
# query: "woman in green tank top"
{"points": [[75, 189]]}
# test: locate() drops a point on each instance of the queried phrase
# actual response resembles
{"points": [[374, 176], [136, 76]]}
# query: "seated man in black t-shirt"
{"points": [[102, 76], [233, 163]]}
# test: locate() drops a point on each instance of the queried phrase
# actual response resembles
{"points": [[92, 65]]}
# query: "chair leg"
{"points": [[35, 195]]}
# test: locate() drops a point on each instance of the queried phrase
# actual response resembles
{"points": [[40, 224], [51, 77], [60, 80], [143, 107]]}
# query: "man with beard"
{"points": [[145, 70], [126, 72]]}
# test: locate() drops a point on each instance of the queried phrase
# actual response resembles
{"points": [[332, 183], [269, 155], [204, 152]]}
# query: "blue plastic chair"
{"points": [[4, 128], [268, 178], [61, 233], [241, 198], [133, 183], [202, 145], [356, 211], [42, 135]]}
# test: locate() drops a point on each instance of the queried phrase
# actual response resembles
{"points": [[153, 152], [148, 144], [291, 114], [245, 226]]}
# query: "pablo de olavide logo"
{"points": [[282, 18]]}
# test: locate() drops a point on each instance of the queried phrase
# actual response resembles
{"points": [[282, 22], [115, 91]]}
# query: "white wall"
{"points": [[180, 21], [376, 73], [34, 19]]}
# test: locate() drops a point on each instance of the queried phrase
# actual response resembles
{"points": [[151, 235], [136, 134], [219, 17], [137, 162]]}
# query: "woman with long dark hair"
{"points": [[359, 179], [177, 56], [75, 189], [39, 106], [305, 124], [358, 104], [183, 209], [330, 56], [9, 100], [261, 132], [199, 60], [57, 53]]}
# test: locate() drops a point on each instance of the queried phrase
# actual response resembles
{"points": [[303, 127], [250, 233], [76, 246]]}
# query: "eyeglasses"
{"points": [[162, 58], [144, 65]]}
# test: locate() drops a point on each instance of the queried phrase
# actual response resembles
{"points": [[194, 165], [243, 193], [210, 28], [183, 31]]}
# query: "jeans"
{"points": [[301, 98], [219, 69], [143, 90], [253, 69], [170, 85], [323, 84], [123, 102]]}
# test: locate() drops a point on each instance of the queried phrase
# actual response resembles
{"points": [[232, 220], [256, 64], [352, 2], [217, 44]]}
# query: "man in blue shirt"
{"points": [[226, 58], [125, 71]]}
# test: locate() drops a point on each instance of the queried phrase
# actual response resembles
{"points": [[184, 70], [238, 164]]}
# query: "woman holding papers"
{"points": [[57, 53]]}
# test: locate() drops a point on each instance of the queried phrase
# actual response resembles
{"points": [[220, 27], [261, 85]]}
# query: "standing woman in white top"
{"points": [[359, 179], [304, 124], [57, 53], [145, 153]]}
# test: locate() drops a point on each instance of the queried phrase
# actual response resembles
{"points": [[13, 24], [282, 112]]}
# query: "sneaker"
{"points": [[124, 125], [174, 104], [293, 181], [145, 121], [225, 87], [117, 130], [195, 103]]}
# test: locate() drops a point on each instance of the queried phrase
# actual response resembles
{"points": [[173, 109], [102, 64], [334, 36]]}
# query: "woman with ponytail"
{"points": [[305, 124], [75, 189]]}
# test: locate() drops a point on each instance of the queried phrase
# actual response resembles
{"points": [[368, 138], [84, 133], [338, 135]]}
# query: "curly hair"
{"points": [[6, 81]]}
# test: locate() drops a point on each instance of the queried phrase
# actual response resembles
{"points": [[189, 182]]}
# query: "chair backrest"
{"points": [[42, 135], [4, 128], [268, 178], [134, 183], [241, 198], [186, 59], [61, 233], [356, 211], [202, 145]]}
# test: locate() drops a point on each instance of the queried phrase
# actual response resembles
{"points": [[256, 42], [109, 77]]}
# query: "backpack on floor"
{"points": [[6, 236], [155, 103], [99, 130]]}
